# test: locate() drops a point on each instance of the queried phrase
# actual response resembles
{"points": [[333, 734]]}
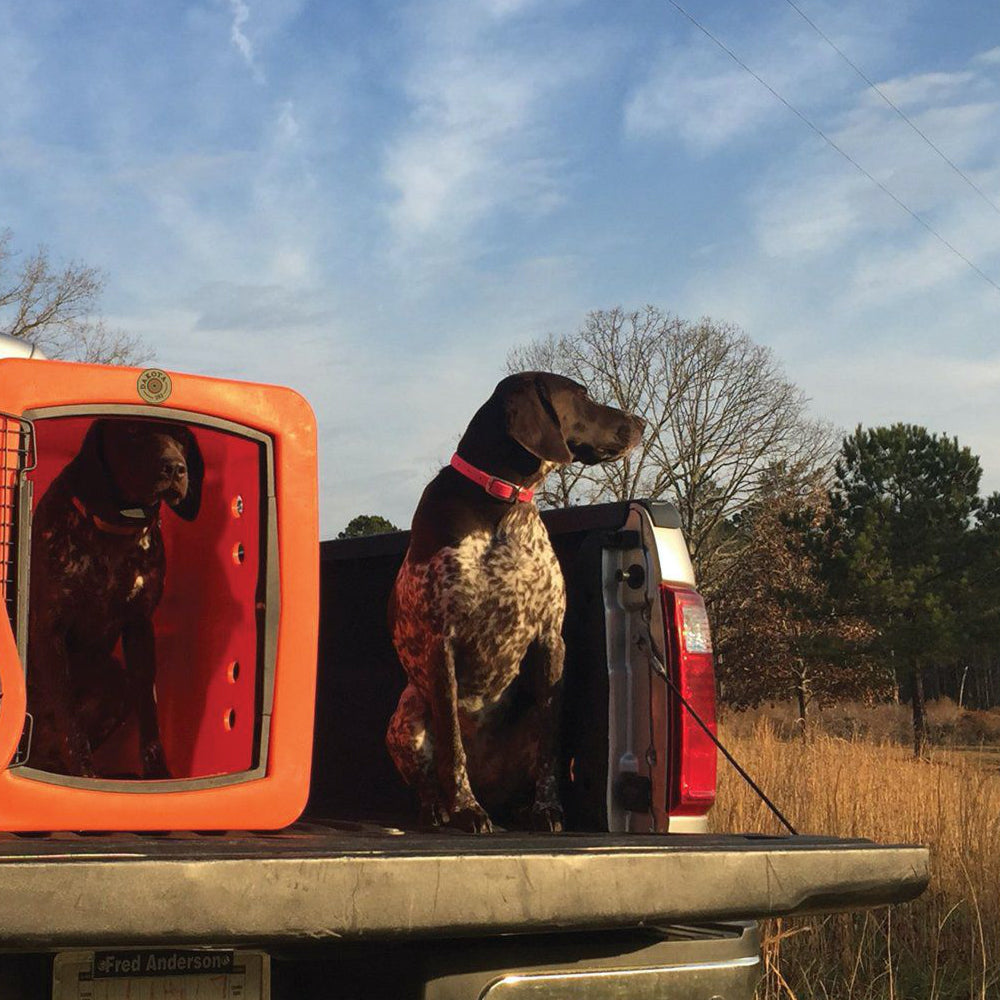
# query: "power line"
{"points": [[871, 83], [850, 159]]}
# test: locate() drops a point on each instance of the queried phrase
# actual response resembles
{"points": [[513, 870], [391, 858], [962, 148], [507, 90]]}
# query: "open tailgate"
{"points": [[316, 882]]}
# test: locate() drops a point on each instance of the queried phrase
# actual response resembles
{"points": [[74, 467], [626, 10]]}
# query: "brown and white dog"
{"points": [[97, 569], [477, 610]]}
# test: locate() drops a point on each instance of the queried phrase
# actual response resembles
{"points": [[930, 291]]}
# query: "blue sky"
{"points": [[373, 202]]}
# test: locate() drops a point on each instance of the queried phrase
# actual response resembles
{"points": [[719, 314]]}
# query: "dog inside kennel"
{"points": [[143, 549]]}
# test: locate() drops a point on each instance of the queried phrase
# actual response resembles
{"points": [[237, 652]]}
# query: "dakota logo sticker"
{"points": [[154, 385], [122, 964]]}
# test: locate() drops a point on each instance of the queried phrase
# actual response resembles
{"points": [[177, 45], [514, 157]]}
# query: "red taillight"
{"points": [[692, 782]]}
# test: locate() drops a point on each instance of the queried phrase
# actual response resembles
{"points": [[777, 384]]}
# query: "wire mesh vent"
{"points": [[17, 456]]}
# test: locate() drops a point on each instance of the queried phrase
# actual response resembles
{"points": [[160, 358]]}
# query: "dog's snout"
{"points": [[173, 469], [631, 431]]}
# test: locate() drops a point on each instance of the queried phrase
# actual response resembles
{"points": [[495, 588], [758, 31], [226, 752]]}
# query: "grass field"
{"points": [[945, 944]]}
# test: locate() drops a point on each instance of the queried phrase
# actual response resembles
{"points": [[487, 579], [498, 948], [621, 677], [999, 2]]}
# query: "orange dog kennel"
{"points": [[235, 628]]}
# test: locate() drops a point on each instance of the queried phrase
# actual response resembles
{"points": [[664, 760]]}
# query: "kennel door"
{"points": [[15, 455]]}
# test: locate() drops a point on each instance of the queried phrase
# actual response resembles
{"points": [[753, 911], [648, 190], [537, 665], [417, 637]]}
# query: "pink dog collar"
{"points": [[499, 488]]}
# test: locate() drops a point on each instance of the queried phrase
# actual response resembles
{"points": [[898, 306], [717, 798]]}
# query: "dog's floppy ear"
{"points": [[532, 419], [188, 508], [88, 471]]}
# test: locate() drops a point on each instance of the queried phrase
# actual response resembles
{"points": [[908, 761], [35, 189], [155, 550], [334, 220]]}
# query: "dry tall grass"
{"points": [[944, 945]]}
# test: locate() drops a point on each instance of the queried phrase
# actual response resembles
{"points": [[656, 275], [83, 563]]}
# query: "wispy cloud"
{"points": [[926, 88], [815, 202], [274, 309], [478, 138], [468, 150], [241, 14], [695, 98], [695, 93], [991, 56]]}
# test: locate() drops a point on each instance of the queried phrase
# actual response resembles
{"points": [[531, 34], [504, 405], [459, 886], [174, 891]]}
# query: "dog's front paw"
{"points": [[154, 765], [546, 812], [432, 816], [547, 816], [471, 819]]}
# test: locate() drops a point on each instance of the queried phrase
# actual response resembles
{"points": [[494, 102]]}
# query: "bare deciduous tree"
{"points": [[55, 309], [778, 632], [719, 410]]}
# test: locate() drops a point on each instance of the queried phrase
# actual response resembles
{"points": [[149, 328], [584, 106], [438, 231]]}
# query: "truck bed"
{"points": [[323, 881]]}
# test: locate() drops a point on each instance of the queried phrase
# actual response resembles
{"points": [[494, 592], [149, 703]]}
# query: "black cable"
{"points": [[732, 760]]}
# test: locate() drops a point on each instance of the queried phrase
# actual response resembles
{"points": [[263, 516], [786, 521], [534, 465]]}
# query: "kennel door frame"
{"points": [[269, 568]]}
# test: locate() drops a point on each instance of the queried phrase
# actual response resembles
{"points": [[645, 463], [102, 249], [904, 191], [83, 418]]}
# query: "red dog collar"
{"points": [[499, 488], [107, 526]]}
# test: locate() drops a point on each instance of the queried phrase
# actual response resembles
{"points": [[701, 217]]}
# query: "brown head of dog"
{"points": [[477, 610], [97, 568]]}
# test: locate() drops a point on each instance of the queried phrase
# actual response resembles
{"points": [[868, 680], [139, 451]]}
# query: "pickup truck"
{"points": [[635, 899]]}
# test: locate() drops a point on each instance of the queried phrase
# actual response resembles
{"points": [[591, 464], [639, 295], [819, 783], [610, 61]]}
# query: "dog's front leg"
{"points": [[139, 647], [544, 665], [59, 744], [464, 811]]}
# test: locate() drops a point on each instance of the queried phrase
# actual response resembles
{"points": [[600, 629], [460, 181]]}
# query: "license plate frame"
{"points": [[162, 974]]}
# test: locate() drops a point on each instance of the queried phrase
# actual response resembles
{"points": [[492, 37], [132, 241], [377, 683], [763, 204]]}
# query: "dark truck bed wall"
{"points": [[360, 678]]}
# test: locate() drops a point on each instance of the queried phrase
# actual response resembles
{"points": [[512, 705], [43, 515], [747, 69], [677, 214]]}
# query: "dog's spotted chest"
{"points": [[492, 595], [102, 577]]}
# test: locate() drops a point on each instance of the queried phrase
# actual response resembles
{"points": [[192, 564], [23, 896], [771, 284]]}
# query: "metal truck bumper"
{"points": [[240, 889], [719, 962]]}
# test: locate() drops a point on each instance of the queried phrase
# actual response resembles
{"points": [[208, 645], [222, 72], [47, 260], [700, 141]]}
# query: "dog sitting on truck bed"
{"points": [[97, 570], [477, 610]]}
